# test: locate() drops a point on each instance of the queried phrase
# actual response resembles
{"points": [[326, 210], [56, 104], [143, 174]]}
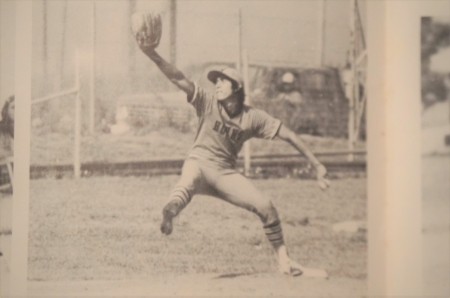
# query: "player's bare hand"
{"points": [[321, 173]]}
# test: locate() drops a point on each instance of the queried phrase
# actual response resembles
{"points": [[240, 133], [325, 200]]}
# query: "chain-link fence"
{"points": [[124, 94]]}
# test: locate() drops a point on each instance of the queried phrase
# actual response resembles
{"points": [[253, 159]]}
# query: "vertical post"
{"points": [[77, 139], [376, 156], [45, 40], [321, 35], [21, 195], [242, 66], [131, 8], [356, 68], [361, 62], [351, 127], [247, 145], [7, 36], [404, 274], [173, 31], [239, 60], [92, 74], [351, 103], [62, 58]]}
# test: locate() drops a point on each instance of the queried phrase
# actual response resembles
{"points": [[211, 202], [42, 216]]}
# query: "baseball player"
{"points": [[288, 92], [224, 124]]}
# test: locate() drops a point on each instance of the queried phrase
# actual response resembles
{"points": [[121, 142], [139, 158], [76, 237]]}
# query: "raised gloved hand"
{"points": [[147, 29]]}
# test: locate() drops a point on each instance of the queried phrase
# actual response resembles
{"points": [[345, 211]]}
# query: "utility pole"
{"points": [[45, 40], [92, 73], [242, 67], [321, 36], [351, 104], [60, 77], [173, 31]]}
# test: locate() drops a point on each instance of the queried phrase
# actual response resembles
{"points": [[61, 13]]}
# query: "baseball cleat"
{"points": [[310, 272], [166, 224], [292, 271], [295, 269], [284, 266]]}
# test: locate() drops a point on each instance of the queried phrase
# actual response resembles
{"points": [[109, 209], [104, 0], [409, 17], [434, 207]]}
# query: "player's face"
{"points": [[224, 88]]}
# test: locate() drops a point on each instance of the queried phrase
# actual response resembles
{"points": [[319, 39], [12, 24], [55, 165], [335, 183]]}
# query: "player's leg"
{"points": [[181, 194], [239, 191]]}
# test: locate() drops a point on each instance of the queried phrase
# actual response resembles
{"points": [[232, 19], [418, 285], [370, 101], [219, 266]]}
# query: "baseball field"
{"points": [[101, 236]]}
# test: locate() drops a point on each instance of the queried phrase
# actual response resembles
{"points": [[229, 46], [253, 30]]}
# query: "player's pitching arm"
{"points": [[147, 29], [170, 71], [290, 137]]}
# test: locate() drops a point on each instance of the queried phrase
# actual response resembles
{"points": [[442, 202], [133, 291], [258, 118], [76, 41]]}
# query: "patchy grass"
{"points": [[108, 228]]}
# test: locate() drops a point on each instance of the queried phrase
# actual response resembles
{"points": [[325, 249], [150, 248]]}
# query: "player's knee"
{"points": [[268, 213]]}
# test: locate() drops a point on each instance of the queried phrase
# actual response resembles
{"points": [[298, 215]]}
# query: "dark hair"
{"points": [[234, 84], [7, 123], [240, 94]]}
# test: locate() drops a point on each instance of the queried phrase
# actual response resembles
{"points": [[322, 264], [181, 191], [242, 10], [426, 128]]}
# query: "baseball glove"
{"points": [[147, 29]]}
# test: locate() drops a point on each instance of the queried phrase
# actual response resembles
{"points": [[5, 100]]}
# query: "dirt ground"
{"points": [[204, 285], [109, 244], [46, 280]]}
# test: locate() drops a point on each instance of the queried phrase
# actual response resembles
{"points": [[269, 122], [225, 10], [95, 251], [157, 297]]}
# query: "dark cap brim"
{"points": [[214, 74]]}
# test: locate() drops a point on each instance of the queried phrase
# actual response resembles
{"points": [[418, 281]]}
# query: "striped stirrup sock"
{"points": [[274, 234], [181, 196]]}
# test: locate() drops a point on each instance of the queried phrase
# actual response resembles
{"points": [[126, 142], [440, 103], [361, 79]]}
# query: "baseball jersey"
{"points": [[219, 138]]}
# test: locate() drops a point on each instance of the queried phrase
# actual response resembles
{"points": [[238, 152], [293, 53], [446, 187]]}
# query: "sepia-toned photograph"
{"points": [[193, 148], [435, 126]]}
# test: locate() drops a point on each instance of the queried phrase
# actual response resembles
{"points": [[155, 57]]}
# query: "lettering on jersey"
{"points": [[232, 132], [217, 126]]}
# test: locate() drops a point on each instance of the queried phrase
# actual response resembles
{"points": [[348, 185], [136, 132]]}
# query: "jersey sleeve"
{"points": [[200, 100], [264, 125]]}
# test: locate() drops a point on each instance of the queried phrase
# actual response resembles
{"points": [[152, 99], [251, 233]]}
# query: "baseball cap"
{"points": [[229, 73]]}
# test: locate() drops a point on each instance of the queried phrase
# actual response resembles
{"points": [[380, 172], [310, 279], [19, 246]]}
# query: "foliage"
{"points": [[434, 36]]}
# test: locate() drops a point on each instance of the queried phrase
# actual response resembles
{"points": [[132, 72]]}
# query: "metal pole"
{"points": [[356, 92], [60, 76], [173, 31], [239, 61], [92, 74], [247, 145], [76, 151], [351, 103], [321, 35], [242, 65], [45, 40]]}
